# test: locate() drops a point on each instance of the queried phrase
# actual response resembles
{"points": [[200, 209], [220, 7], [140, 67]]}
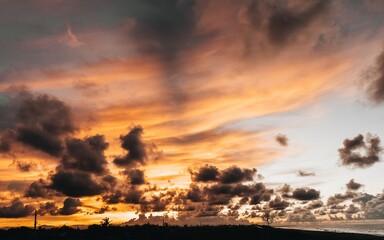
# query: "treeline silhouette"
{"points": [[154, 232]]}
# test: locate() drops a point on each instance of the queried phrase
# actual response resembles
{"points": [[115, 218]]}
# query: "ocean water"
{"points": [[372, 228]]}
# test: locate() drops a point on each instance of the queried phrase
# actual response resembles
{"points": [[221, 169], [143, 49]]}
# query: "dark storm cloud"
{"points": [[130, 196], [302, 173], [166, 200], [86, 155], [235, 174], [376, 81], [282, 140], [262, 194], [156, 204], [135, 176], [315, 204], [167, 29], [40, 140], [340, 197], [205, 174], [217, 194], [83, 168], [70, 182], [48, 208], [36, 120], [38, 189], [221, 194], [70, 206], [228, 184], [25, 166], [102, 210], [82, 171], [228, 175], [350, 154], [195, 194], [278, 204], [305, 194], [5, 144], [45, 118], [17, 209], [77, 184], [133, 143], [113, 198], [352, 185], [279, 23], [221, 199], [285, 23]]}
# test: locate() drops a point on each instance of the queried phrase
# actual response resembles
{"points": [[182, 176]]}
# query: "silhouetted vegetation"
{"points": [[268, 217], [154, 232], [105, 222]]}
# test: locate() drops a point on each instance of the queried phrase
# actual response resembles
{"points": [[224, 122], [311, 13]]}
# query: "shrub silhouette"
{"points": [[105, 222]]}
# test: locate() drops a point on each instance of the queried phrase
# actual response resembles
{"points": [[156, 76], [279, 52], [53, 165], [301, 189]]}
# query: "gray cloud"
{"points": [[38, 189], [70, 206], [17, 209], [195, 194], [278, 24], [278, 204], [352, 185], [135, 176], [282, 140], [131, 196], [376, 81], [25, 166], [349, 154], [285, 190], [86, 155], [374, 208], [305, 194], [228, 175], [340, 197], [77, 184], [48, 208], [35, 120], [168, 29], [205, 174], [235, 174], [315, 204], [133, 143], [302, 173]]}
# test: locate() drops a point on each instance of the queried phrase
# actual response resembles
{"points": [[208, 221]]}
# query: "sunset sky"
{"points": [[206, 111]]}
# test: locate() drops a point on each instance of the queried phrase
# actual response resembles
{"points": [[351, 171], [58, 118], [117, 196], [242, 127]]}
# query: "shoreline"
{"points": [[334, 230]]}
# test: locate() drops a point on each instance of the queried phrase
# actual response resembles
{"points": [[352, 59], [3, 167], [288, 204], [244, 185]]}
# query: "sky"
{"points": [[193, 111]]}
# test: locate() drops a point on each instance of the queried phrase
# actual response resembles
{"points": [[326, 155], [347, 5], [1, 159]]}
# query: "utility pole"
{"points": [[35, 220]]}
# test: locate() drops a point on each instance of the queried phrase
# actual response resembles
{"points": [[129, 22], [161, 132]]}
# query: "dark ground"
{"points": [[151, 232]]}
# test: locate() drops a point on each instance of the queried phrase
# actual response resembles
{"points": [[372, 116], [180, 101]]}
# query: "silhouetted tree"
{"points": [[105, 222], [268, 217]]}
